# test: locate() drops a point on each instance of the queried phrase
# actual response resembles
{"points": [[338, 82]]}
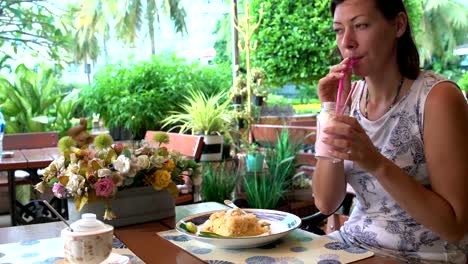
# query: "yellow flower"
{"points": [[169, 165], [109, 214], [161, 179]]}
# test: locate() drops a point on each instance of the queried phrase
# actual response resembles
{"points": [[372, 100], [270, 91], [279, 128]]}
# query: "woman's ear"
{"points": [[401, 22]]}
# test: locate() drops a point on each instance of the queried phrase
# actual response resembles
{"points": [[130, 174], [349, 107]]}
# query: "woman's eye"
{"points": [[361, 26], [337, 30]]}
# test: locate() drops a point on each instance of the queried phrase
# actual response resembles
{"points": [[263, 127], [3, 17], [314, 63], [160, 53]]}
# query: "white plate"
{"points": [[282, 223]]}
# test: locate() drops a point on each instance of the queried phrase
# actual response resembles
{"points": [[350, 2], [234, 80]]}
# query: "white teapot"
{"points": [[90, 241]]}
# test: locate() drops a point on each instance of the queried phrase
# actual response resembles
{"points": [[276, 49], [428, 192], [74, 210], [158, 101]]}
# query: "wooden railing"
{"points": [[267, 135]]}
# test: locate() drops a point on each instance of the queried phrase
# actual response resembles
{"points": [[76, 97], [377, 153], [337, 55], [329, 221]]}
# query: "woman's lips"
{"points": [[355, 60]]}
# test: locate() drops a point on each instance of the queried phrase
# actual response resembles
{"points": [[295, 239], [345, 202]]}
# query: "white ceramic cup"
{"points": [[90, 242]]}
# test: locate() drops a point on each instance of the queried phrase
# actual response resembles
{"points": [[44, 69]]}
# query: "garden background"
{"points": [[130, 63]]}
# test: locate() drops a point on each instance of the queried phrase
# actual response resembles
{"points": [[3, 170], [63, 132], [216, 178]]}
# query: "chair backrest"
{"points": [[30, 140], [188, 145]]}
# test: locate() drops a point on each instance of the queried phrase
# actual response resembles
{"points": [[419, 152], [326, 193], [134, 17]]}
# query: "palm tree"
{"points": [[99, 16], [444, 26], [91, 22]]}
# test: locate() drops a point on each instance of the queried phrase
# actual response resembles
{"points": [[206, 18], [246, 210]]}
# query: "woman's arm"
{"points": [[444, 209], [329, 185], [328, 182]]}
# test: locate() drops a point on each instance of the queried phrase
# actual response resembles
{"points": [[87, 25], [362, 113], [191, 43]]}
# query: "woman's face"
{"points": [[363, 33]]}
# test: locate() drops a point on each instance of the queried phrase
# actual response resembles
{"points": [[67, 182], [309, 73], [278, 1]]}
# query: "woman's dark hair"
{"points": [[407, 53]]}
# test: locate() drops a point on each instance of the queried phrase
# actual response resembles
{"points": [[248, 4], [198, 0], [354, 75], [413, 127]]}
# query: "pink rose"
{"points": [[58, 190], [104, 187], [118, 147]]}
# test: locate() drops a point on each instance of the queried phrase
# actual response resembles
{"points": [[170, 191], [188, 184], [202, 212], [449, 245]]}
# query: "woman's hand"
{"points": [[349, 141], [328, 85]]}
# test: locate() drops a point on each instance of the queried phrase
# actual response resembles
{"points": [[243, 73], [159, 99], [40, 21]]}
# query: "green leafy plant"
{"points": [[140, 95], [35, 26], [252, 148], [463, 82], [267, 190], [264, 191], [218, 182], [295, 41], [33, 102], [207, 115], [281, 158]]}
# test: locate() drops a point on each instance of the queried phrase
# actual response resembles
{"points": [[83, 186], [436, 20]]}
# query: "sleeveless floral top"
{"points": [[377, 222]]}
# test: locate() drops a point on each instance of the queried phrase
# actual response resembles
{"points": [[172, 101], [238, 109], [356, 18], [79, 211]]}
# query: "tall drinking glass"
{"points": [[324, 119]]}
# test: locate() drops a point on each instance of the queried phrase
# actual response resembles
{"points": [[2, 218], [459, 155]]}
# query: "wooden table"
{"points": [[25, 159], [141, 239]]}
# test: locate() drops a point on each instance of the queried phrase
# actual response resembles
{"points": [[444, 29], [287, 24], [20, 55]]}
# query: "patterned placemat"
{"points": [[50, 251], [298, 247]]}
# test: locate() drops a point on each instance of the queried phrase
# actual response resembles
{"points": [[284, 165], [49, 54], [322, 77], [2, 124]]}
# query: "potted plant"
{"points": [[240, 118], [238, 90], [259, 90], [254, 158], [203, 115], [112, 177]]}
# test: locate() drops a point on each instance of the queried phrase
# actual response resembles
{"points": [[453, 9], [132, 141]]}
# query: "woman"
{"points": [[404, 145]]}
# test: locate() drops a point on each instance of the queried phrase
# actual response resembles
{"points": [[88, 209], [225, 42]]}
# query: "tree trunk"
{"points": [[150, 15]]}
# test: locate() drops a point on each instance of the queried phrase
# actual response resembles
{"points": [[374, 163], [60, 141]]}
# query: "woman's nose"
{"points": [[349, 40]]}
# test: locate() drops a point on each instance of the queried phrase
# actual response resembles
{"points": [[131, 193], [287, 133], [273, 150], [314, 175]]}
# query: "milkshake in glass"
{"points": [[324, 119]]}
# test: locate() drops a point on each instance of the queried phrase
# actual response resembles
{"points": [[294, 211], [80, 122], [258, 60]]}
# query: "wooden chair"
{"points": [[28, 141], [188, 145], [34, 211]]}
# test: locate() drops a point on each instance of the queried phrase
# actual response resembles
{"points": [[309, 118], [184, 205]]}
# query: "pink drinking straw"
{"points": [[347, 100], [340, 86]]}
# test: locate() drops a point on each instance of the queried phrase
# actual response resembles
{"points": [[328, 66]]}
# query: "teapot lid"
{"points": [[87, 223]]}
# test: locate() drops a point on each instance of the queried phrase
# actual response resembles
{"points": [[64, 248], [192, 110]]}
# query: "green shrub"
{"points": [[463, 82], [139, 96]]}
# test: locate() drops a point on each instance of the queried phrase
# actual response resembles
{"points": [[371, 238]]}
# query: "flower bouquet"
{"points": [[91, 174]]}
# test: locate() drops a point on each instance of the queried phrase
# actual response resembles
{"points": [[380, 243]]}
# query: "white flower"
{"points": [[75, 183], [125, 166], [102, 173], [122, 164], [157, 161], [60, 163], [73, 158], [143, 162], [133, 168], [73, 168]]}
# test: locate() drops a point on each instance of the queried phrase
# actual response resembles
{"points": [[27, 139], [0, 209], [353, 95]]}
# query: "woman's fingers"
{"points": [[327, 86], [351, 121], [337, 143], [339, 67], [332, 76]]}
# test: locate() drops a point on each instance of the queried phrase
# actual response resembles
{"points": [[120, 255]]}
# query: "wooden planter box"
{"points": [[131, 206]]}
